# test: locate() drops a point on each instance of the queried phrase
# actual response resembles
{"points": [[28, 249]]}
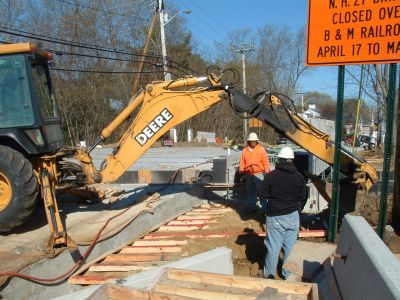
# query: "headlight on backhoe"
{"points": [[36, 136]]}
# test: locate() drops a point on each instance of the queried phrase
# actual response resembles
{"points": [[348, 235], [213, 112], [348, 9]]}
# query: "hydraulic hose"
{"points": [[75, 266]]}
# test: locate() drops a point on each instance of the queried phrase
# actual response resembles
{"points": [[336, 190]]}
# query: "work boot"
{"points": [[286, 274]]}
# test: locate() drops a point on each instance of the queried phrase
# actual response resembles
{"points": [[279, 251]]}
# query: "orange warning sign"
{"points": [[344, 32]]}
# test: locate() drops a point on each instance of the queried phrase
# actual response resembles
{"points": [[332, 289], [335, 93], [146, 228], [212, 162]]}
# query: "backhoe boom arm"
{"points": [[163, 107]]}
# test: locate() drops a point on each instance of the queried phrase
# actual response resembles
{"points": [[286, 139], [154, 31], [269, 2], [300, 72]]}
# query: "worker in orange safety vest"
{"points": [[254, 163]]}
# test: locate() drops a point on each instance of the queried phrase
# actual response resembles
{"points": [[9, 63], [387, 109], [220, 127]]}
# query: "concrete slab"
{"points": [[163, 162], [305, 262], [217, 261], [368, 269], [306, 257], [175, 200], [162, 159]]}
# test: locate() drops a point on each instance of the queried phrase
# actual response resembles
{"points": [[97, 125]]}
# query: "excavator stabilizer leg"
{"points": [[58, 235]]}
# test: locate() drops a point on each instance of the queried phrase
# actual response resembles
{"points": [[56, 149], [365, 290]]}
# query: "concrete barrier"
{"points": [[369, 270]]}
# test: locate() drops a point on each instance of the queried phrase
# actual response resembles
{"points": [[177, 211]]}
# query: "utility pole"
{"points": [[167, 75], [164, 20], [244, 49]]}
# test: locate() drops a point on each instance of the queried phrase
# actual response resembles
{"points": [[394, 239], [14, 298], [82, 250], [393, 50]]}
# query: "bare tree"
{"points": [[281, 57], [376, 87]]}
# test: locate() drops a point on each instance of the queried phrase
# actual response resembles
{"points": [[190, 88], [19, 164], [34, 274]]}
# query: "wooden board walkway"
{"points": [[164, 245], [150, 252], [183, 284]]}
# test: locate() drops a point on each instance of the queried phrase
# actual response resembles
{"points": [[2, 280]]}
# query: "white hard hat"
{"points": [[253, 137], [286, 152]]}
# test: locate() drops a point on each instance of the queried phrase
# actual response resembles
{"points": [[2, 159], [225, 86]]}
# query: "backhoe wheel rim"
{"points": [[5, 192]]}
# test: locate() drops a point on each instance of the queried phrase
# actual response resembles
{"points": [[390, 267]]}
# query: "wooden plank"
{"points": [[192, 222], [181, 228], [312, 233], [205, 212], [188, 235], [87, 280], [314, 292], [118, 268], [143, 250], [138, 258], [114, 292], [212, 210], [199, 293], [268, 292], [159, 243], [202, 215], [188, 218], [239, 281], [331, 279], [181, 224]]}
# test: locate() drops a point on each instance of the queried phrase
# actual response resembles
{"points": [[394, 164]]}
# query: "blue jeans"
{"points": [[282, 232], [253, 184]]}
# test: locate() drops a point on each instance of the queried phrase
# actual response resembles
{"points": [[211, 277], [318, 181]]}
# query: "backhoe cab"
{"points": [[29, 117], [30, 129]]}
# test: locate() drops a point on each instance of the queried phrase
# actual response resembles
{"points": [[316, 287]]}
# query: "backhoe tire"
{"points": [[18, 189]]}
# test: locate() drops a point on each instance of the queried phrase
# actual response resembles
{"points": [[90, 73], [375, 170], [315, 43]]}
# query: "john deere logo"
{"points": [[153, 127]]}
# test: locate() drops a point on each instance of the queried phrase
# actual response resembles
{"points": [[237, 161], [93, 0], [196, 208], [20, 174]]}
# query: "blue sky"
{"points": [[211, 20]]}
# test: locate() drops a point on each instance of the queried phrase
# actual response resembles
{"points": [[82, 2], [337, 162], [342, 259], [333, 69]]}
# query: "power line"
{"points": [[61, 53], [206, 23], [88, 46], [106, 13], [58, 52], [210, 16], [56, 40], [105, 72]]}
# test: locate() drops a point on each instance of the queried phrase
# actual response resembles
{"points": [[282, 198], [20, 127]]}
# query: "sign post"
{"points": [[387, 152], [334, 209], [342, 32]]}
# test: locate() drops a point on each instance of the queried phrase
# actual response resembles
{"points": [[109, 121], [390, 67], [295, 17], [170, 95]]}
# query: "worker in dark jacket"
{"points": [[286, 193]]}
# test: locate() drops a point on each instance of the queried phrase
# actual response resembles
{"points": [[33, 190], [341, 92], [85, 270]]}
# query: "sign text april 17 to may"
{"points": [[353, 32]]}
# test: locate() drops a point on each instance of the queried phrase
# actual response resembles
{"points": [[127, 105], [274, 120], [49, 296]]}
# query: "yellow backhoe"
{"points": [[32, 154]]}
